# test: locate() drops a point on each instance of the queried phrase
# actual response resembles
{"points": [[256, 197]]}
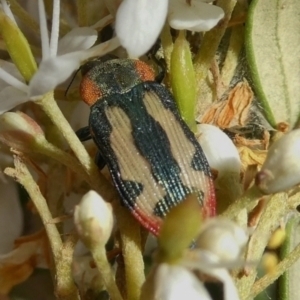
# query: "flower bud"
{"points": [[19, 131], [219, 150], [183, 80], [93, 219], [17, 47], [223, 238], [281, 169], [223, 157]]}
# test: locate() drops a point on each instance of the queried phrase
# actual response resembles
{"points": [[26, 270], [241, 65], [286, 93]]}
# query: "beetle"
{"points": [[153, 157]]}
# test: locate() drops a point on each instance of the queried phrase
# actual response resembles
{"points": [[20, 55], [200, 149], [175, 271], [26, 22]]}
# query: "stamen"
{"points": [[103, 22], [13, 81], [55, 28], [44, 31]]}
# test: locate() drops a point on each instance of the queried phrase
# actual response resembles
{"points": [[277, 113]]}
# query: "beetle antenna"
{"points": [[66, 92]]}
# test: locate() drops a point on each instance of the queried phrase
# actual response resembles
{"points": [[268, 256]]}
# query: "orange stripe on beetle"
{"points": [[89, 91], [145, 72]]}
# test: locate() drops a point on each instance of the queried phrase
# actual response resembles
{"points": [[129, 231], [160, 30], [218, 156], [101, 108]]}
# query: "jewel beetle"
{"points": [[153, 157]]}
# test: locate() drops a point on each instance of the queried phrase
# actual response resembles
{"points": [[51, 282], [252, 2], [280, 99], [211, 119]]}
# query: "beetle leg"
{"points": [[99, 161], [84, 134]]}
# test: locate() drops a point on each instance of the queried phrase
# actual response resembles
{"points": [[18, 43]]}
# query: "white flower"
{"points": [[139, 22], [281, 169], [59, 59], [172, 282], [217, 248], [223, 238], [13, 88]]}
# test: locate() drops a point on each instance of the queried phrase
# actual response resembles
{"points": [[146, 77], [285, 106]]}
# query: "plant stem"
{"points": [[167, 44], [63, 157], [283, 266], [210, 43], [131, 250], [65, 288], [23, 176], [103, 266], [247, 201], [97, 180]]}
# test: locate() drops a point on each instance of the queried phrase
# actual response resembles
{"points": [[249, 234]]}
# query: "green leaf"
{"points": [[17, 47], [289, 281], [272, 48], [183, 80], [180, 227]]}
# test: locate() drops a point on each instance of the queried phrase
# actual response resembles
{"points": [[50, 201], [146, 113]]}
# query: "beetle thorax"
{"points": [[113, 77]]}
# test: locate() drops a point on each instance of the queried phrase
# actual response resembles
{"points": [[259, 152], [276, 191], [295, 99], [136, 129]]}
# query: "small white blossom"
{"points": [[173, 281], [59, 59], [281, 169], [218, 248], [223, 238], [139, 23]]}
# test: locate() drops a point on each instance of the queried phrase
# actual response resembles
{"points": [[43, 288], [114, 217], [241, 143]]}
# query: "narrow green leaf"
{"points": [[183, 80], [179, 228], [273, 47], [289, 282], [17, 47]]}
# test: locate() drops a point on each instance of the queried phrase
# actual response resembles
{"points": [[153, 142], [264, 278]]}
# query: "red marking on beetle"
{"points": [[145, 72], [152, 223], [209, 207], [89, 91]]}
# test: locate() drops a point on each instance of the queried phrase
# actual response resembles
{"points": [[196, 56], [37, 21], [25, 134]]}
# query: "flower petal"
{"points": [[196, 17], [223, 238], [7, 72], [11, 97], [225, 159], [230, 291], [171, 281], [138, 24], [210, 264], [52, 72], [11, 69], [77, 39]]}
